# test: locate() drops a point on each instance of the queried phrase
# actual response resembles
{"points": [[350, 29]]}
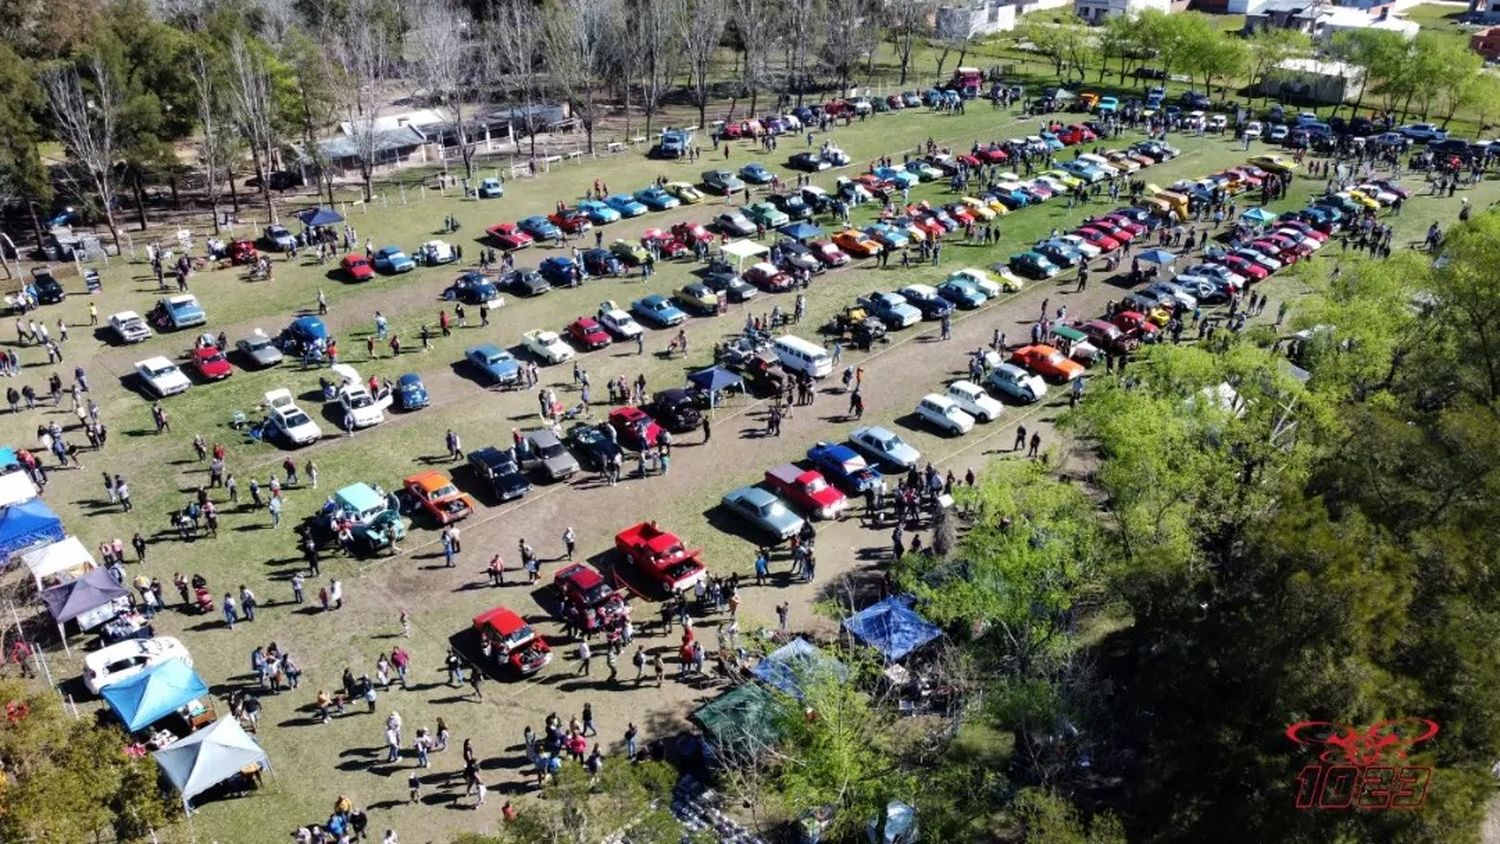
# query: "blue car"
{"points": [[891, 309], [390, 259], [657, 199], [494, 363], [1011, 199], [561, 271], [888, 236], [658, 310], [304, 333], [756, 174], [927, 300], [602, 262], [540, 228], [1060, 252], [903, 178], [174, 312], [490, 189], [471, 288], [597, 212], [626, 205], [410, 392], [961, 292], [843, 467]]}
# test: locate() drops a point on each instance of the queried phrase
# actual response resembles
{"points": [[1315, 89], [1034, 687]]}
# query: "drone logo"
{"points": [[1355, 769]]}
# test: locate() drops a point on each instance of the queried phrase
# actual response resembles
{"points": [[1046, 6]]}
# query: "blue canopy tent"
{"points": [[788, 666], [154, 694], [801, 231], [1258, 216], [1157, 256], [715, 380], [208, 757], [892, 627], [27, 525], [314, 217]]}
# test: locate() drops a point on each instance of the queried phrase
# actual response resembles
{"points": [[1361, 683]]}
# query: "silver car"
{"points": [[259, 350], [764, 510], [546, 452]]}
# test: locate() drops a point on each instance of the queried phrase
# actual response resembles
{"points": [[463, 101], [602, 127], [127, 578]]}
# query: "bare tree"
{"points": [[517, 53], [254, 115], [364, 55], [655, 21], [446, 68], [214, 139], [754, 23], [804, 19], [906, 21], [87, 124], [577, 34], [850, 39], [700, 27]]}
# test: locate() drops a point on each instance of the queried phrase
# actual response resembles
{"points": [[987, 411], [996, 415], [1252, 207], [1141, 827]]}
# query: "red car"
{"points": [[571, 220], [1098, 238], [660, 556], [1241, 267], [1125, 224], [1109, 227], [1135, 324], [588, 601], [1280, 248], [587, 333], [926, 224], [732, 131], [515, 647], [838, 108], [960, 213], [509, 237], [1076, 134], [1302, 226], [690, 232], [667, 244], [634, 427], [211, 363], [969, 159], [357, 268], [993, 154], [242, 252], [768, 277], [808, 490], [1047, 362], [830, 255]]}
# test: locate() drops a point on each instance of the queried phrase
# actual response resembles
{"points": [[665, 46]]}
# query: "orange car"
{"points": [[1047, 362], [435, 493], [856, 243]]}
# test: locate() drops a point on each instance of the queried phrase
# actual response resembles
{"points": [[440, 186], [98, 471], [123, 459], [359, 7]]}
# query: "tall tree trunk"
{"points": [[234, 193], [36, 223], [172, 184], [140, 196]]}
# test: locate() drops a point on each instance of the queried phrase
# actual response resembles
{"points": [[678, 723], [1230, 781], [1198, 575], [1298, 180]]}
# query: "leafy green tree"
{"points": [[23, 179], [1268, 47]]}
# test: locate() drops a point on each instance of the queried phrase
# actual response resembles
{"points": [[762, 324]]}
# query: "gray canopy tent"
{"points": [[210, 756], [74, 598]]}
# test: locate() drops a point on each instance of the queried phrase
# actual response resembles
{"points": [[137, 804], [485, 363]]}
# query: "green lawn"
{"points": [[314, 763]]}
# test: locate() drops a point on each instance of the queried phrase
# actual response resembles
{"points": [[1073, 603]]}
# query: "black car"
{"points": [[527, 282], [796, 255], [764, 374], [500, 475], [593, 445], [1193, 100], [471, 288], [932, 306], [792, 206], [675, 410], [48, 290], [723, 279], [601, 262], [809, 162]]}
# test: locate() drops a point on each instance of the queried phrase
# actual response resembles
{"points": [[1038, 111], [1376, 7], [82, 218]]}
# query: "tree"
{"points": [[1269, 46], [446, 67], [806, 20], [906, 21], [87, 122], [23, 179], [753, 23], [1458, 85], [65, 779], [1049, 817], [1376, 52], [700, 25], [517, 53], [364, 53], [254, 110], [1121, 40], [1066, 41], [577, 36], [214, 139], [849, 39]]}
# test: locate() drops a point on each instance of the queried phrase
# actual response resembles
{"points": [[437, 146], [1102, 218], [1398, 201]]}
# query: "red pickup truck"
{"points": [[808, 490], [659, 556], [511, 642]]}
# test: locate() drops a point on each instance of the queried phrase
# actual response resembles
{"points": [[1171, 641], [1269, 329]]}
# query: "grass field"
{"points": [[314, 763]]}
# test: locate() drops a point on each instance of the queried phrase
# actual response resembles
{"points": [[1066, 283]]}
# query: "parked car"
{"points": [[756, 174], [545, 452], [547, 346], [540, 228], [526, 281], [587, 333], [698, 298], [656, 199], [509, 236], [433, 493], [128, 327], [627, 205], [172, 313], [390, 259], [591, 604], [846, 468], [722, 182], [1011, 380], [471, 288], [944, 414], [410, 393], [289, 421], [634, 427], [658, 310], [926, 299], [764, 511], [617, 322], [490, 189], [211, 363], [660, 556], [594, 447], [279, 238], [119, 662], [768, 277], [518, 651], [162, 377], [1033, 265], [734, 223], [890, 308], [497, 366], [884, 446], [498, 473], [675, 410], [807, 490], [973, 400]]}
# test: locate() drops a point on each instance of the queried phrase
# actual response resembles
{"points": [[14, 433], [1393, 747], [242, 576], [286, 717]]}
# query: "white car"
{"points": [[618, 322], [944, 414], [1017, 383], [162, 376], [547, 346], [980, 279], [129, 327], [1378, 193], [289, 420], [436, 252], [124, 660], [1081, 245], [973, 400], [1253, 130], [359, 407]]}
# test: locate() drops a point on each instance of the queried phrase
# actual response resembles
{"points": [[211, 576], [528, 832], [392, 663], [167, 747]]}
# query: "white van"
{"points": [[945, 414], [798, 355]]}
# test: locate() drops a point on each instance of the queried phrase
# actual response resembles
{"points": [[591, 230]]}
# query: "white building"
{"points": [[1095, 11], [966, 20]]}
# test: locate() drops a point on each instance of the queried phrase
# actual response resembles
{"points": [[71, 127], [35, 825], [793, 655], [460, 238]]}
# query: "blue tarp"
{"points": [[892, 627], [25, 525], [801, 231], [786, 667], [320, 217], [152, 695], [8, 459], [714, 379]]}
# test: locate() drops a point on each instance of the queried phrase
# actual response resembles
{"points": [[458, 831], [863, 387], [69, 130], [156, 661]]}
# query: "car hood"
{"points": [[559, 464]]}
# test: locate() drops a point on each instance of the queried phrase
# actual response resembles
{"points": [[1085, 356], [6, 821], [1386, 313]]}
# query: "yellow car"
{"points": [[1363, 199], [1274, 163], [685, 193], [1159, 317], [1123, 161], [697, 298], [982, 210], [1065, 177]]}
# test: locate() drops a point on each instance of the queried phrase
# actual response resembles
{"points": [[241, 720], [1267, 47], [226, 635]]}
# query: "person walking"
{"points": [[1020, 442], [570, 540], [585, 657], [1036, 444]]}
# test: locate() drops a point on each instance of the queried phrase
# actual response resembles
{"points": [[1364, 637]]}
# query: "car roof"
{"points": [[504, 621], [753, 494], [579, 575], [155, 362], [429, 480]]}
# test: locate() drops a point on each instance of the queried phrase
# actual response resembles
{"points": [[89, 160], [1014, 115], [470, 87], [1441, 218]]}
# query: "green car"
{"points": [[633, 254], [766, 214]]}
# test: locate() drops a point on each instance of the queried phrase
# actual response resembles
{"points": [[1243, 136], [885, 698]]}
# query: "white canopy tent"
{"points": [[62, 561], [15, 488], [210, 756], [743, 250]]}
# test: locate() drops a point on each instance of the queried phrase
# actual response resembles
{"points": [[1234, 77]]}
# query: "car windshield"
{"points": [[409, 389], [359, 400], [553, 449], [295, 419], [518, 637], [214, 358], [157, 372], [816, 485], [494, 359], [443, 492], [254, 344], [600, 593], [890, 444]]}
